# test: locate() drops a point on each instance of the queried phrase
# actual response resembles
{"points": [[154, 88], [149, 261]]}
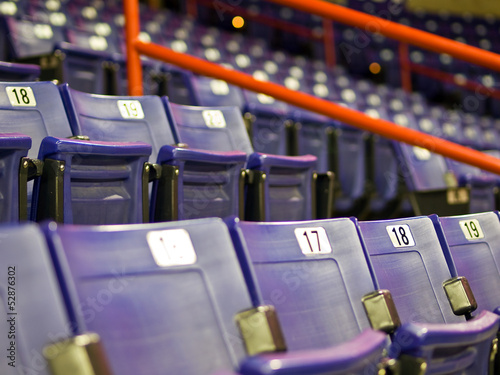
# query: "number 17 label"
{"points": [[313, 240], [400, 235]]}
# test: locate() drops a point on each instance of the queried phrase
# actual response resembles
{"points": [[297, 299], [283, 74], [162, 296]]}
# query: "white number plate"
{"points": [[219, 87], [130, 109], [214, 119], [400, 235], [471, 228], [171, 247], [21, 96], [313, 240]]}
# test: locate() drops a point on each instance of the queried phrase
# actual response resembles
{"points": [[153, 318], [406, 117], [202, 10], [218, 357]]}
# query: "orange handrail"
{"points": [[394, 30], [382, 127]]}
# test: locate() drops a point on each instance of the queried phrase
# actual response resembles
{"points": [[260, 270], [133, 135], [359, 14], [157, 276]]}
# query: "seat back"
{"points": [[34, 109], [28, 39], [210, 128], [409, 260], [474, 242], [269, 118], [161, 296], [215, 93], [119, 118], [286, 187], [421, 169], [315, 274], [32, 312]]}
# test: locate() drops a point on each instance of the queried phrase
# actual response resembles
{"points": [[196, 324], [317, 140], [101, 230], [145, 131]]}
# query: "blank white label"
{"points": [[130, 109], [219, 87], [471, 228], [214, 119], [265, 99], [421, 153], [171, 247], [400, 235], [313, 240], [21, 96], [98, 43]]}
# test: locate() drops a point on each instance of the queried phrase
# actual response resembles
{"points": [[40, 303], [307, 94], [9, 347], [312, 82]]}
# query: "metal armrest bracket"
{"points": [[381, 311], [261, 330]]}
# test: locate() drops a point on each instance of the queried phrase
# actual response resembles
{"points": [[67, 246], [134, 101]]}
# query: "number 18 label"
{"points": [[313, 240], [471, 228], [21, 96], [400, 235]]}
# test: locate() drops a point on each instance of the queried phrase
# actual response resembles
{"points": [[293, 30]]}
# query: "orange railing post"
{"points": [[358, 119], [329, 43], [132, 29], [404, 60]]}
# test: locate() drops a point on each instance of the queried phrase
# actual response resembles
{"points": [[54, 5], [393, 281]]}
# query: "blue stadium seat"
{"points": [[193, 184], [269, 124], [317, 292], [431, 186], [382, 174], [33, 314], [279, 186], [266, 117], [474, 241], [408, 259], [36, 109], [33, 109], [341, 149], [482, 184], [186, 328]]}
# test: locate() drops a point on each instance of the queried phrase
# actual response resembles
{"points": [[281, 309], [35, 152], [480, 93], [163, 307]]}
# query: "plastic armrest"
{"points": [[169, 154], [16, 141], [352, 356], [416, 335], [53, 145], [261, 161]]}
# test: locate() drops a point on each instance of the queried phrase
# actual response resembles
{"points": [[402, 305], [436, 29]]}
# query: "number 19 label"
{"points": [[471, 228], [21, 96], [313, 240], [400, 235], [130, 109]]}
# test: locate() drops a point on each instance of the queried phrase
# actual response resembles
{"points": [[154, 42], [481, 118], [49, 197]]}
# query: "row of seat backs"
{"points": [[37, 110], [215, 129], [164, 296], [369, 170], [92, 116], [353, 188]]}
